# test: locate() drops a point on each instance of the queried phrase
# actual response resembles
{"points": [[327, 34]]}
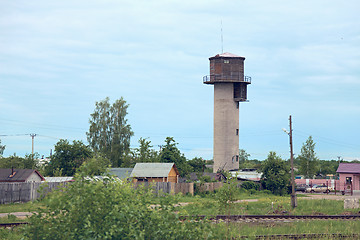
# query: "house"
{"points": [[20, 175], [349, 176], [155, 172]]}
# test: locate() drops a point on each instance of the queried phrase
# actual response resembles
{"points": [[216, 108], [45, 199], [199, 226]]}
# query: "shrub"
{"points": [[90, 209], [250, 185]]}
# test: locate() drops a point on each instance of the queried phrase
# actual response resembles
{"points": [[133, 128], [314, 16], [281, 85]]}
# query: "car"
{"points": [[301, 187], [318, 189]]}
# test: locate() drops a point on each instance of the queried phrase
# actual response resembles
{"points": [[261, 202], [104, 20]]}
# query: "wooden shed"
{"points": [[155, 172]]}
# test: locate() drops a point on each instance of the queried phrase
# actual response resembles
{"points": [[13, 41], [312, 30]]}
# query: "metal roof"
{"points": [[227, 55], [19, 175], [58, 179], [121, 173], [349, 168], [152, 169]]}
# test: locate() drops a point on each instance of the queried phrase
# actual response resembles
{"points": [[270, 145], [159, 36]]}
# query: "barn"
{"points": [[155, 172]]}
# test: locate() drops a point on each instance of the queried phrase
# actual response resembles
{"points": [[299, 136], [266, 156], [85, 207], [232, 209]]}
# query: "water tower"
{"points": [[230, 88]]}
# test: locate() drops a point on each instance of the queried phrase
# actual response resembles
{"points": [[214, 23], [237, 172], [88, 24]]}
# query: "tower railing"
{"points": [[225, 78]]}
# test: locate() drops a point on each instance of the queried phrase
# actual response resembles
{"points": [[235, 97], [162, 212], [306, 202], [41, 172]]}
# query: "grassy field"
{"points": [[207, 204], [264, 204]]}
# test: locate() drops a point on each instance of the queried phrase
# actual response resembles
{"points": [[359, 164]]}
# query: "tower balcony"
{"points": [[211, 79]]}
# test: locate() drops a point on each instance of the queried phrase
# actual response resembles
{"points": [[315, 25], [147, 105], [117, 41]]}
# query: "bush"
{"points": [[90, 209], [250, 185]]}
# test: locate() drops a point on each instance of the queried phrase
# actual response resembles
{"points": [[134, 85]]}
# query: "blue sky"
{"points": [[57, 58]]}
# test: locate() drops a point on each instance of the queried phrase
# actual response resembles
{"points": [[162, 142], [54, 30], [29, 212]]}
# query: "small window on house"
{"points": [[348, 180], [237, 132], [226, 61], [237, 158]]}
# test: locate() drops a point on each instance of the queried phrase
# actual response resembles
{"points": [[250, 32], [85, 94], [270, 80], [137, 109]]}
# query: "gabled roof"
{"points": [[121, 173], [20, 175], [152, 169], [349, 168]]}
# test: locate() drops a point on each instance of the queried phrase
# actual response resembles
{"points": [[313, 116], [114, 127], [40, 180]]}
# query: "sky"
{"points": [[57, 58]]}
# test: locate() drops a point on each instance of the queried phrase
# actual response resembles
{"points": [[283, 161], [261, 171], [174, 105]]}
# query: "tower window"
{"points": [[237, 132], [226, 61]]}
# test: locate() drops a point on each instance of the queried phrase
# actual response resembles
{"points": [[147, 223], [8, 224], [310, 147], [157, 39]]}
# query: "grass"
{"points": [[19, 207], [305, 227], [265, 204]]}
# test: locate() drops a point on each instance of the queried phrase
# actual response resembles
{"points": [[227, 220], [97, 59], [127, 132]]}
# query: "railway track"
{"points": [[11, 225], [283, 218], [304, 236]]}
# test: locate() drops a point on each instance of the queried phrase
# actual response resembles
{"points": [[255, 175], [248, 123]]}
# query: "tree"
{"points": [[171, 154], [67, 158], [109, 133], [145, 153], [244, 160], [307, 158], [2, 148], [95, 166], [30, 161], [276, 176], [197, 164]]}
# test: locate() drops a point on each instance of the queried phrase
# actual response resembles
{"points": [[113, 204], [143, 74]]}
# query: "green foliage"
{"points": [[96, 166], [250, 185], [308, 160], [109, 133], [276, 174], [90, 209], [227, 194], [171, 154], [144, 153], [2, 148], [30, 161], [197, 164], [67, 158]]}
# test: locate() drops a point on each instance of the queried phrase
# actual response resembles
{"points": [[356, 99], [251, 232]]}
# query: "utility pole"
{"points": [[293, 194], [33, 135]]}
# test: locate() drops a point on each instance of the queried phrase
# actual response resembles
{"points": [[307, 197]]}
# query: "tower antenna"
{"points": [[222, 40]]}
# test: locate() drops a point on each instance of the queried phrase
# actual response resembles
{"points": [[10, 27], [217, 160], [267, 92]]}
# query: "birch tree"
{"points": [[109, 131]]}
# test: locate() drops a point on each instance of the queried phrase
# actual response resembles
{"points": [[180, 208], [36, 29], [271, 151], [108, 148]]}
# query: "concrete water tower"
{"points": [[230, 88]]}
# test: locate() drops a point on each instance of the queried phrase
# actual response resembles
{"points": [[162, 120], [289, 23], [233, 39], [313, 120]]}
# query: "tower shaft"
{"points": [[230, 88]]}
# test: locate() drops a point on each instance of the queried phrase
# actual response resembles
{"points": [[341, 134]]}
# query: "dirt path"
{"points": [[327, 196], [21, 215]]}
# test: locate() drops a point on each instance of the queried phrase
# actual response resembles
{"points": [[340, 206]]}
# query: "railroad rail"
{"points": [[304, 236], [235, 218], [11, 225]]}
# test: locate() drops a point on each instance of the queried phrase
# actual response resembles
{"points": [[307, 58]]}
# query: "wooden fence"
{"points": [[25, 192]]}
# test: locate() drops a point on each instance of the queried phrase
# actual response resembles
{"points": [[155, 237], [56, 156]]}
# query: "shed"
{"points": [[155, 172], [349, 175], [20, 175]]}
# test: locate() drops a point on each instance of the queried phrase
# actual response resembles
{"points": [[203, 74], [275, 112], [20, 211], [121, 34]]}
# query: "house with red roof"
{"points": [[349, 176]]}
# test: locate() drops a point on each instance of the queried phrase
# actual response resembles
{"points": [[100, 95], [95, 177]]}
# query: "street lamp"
{"points": [[293, 194]]}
